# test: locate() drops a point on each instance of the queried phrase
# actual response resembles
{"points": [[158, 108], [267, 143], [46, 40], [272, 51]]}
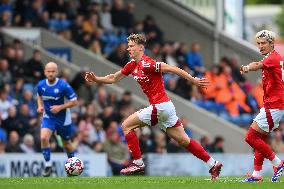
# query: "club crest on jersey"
{"points": [[56, 91]]}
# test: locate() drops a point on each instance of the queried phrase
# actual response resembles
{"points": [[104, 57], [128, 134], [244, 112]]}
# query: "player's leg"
{"points": [[178, 134], [132, 141], [69, 147], [258, 163], [45, 135], [169, 122], [65, 133], [266, 121], [255, 137]]}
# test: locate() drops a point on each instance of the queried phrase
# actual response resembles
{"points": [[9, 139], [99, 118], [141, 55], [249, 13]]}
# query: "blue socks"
{"points": [[71, 154], [46, 154]]}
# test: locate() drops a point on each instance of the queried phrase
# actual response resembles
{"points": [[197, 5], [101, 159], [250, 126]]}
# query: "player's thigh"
{"points": [[167, 116], [45, 133], [179, 135], [47, 128], [132, 122], [268, 119], [65, 131]]}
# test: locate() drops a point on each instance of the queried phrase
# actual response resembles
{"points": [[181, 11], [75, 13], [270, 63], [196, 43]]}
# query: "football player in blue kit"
{"points": [[51, 99]]}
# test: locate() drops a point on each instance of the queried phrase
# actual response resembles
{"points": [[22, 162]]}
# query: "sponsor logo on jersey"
{"points": [[145, 64], [50, 98]]}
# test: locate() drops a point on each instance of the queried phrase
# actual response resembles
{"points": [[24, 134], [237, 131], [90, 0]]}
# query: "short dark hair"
{"points": [[36, 51], [137, 38], [127, 93]]}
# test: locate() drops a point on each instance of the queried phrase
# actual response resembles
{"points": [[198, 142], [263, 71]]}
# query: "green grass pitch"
{"points": [[134, 182]]}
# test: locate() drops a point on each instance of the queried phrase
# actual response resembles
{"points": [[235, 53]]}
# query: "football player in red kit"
{"points": [[273, 109], [148, 73]]}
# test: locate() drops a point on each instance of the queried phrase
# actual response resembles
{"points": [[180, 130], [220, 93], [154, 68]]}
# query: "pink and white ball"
{"points": [[74, 166]]}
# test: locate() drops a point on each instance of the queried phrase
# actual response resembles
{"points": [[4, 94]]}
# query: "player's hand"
{"points": [[201, 82], [55, 109], [40, 110], [244, 69], [90, 77]]}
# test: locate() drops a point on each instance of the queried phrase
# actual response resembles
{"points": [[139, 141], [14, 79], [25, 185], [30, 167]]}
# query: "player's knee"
{"points": [[125, 128], [182, 141], [65, 143], [44, 139], [68, 145], [248, 137]]}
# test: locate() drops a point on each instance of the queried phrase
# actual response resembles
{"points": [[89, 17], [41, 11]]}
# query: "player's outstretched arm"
{"points": [[108, 79], [201, 82], [254, 66]]}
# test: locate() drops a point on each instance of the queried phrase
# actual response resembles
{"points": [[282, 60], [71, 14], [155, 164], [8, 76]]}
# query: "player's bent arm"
{"points": [[111, 78], [173, 69], [69, 104], [253, 66]]}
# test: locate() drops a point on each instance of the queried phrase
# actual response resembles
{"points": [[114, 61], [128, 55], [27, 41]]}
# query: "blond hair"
{"points": [[137, 38], [266, 34]]}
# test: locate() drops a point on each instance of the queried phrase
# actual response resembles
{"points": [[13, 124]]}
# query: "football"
{"points": [[74, 166]]}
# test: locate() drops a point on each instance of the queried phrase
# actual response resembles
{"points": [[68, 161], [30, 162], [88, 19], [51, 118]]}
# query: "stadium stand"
{"points": [[102, 27]]}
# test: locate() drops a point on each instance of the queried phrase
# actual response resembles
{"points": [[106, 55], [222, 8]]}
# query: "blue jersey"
{"points": [[56, 94]]}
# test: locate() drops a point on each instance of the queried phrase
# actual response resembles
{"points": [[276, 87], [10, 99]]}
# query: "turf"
{"points": [[133, 182]]}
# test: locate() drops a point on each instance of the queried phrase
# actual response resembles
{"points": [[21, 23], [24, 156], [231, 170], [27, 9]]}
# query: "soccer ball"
{"points": [[74, 166]]}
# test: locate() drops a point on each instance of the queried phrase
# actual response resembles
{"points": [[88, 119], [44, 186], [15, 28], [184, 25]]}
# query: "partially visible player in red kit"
{"points": [[270, 115], [148, 73]]}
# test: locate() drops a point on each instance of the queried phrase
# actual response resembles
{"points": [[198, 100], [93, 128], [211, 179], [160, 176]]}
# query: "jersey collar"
{"points": [[46, 81]]}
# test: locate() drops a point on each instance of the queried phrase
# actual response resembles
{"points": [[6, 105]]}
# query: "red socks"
{"points": [[258, 161], [197, 150], [133, 145], [257, 141]]}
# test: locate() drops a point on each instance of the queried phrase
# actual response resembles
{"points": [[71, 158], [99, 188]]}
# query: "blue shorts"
{"points": [[64, 131]]}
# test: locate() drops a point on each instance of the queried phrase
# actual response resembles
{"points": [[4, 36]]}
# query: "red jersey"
{"points": [[147, 72], [273, 81]]}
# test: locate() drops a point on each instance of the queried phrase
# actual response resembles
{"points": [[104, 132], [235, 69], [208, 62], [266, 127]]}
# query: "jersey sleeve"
{"points": [[268, 61], [157, 66], [69, 92], [128, 68], [38, 89]]}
